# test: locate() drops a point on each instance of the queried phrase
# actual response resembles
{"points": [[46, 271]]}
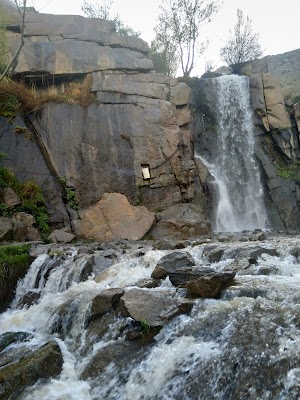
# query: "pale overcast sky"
{"points": [[276, 21]]}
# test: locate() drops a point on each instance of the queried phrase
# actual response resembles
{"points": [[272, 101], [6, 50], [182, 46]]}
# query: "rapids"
{"points": [[244, 345]]}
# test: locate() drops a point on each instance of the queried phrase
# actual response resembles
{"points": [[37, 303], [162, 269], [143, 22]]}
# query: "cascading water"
{"points": [[239, 203], [244, 345]]}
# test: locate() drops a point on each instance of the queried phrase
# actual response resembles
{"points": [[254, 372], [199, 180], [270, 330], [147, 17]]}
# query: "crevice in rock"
{"points": [[44, 152]]}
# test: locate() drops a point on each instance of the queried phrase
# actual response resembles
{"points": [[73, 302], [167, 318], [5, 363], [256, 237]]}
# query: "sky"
{"points": [[276, 22]]}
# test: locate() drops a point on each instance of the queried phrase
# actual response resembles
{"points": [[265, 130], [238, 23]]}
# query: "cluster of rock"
{"points": [[149, 305], [21, 226], [134, 139]]}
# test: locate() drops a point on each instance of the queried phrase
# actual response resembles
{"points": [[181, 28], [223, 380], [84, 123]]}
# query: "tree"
{"points": [[3, 41], [164, 57], [103, 10], [21, 9], [179, 28], [243, 45]]}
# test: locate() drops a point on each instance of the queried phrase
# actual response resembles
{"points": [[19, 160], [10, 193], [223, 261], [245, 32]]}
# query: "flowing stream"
{"points": [[239, 202], [244, 345]]}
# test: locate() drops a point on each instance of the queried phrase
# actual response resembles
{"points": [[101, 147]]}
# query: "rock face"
{"points": [[82, 45], [297, 114], [283, 67], [138, 122], [22, 372], [113, 218], [181, 221], [277, 149]]}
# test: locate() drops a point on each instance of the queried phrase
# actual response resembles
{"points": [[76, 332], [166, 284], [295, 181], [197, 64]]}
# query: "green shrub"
{"points": [[8, 179], [296, 99], [31, 197], [14, 263], [70, 194], [290, 171]]}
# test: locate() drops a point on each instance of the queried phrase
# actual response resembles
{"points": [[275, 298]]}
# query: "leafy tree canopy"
{"points": [[179, 30], [243, 45]]}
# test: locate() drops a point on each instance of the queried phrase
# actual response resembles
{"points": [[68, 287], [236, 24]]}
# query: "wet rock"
{"points": [[64, 318], [87, 268], [61, 236], [43, 363], [98, 327], [171, 262], [244, 291], [213, 253], [38, 249], [84, 250], [101, 263], [8, 338], [295, 251], [152, 306], [110, 253], [163, 244], [257, 236], [121, 353], [253, 253], [148, 283], [209, 286], [29, 298], [105, 301]]}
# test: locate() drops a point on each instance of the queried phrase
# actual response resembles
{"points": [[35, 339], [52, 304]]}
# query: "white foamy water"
{"points": [[216, 352]]}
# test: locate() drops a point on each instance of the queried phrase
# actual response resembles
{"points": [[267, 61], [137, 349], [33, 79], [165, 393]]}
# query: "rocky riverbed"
{"points": [[152, 319]]}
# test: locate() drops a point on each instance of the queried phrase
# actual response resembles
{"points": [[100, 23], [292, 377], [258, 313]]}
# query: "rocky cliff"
{"points": [[284, 67], [134, 138]]}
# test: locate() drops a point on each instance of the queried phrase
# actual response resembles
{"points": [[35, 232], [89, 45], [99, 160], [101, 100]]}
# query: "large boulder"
{"points": [[105, 301], [61, 236], [209, 285], [181, 221], [113, 218], [43, 363], [172, 262], [154, 307], [9, 197]]}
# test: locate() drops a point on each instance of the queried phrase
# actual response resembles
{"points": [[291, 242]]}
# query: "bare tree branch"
{"points": [[21, 7]]}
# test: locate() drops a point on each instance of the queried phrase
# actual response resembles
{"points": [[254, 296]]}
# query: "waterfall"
{"points": [[239, 200]]}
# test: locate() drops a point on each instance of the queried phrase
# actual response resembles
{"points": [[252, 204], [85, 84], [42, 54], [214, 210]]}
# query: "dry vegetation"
{"points": [[17, 97]]}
